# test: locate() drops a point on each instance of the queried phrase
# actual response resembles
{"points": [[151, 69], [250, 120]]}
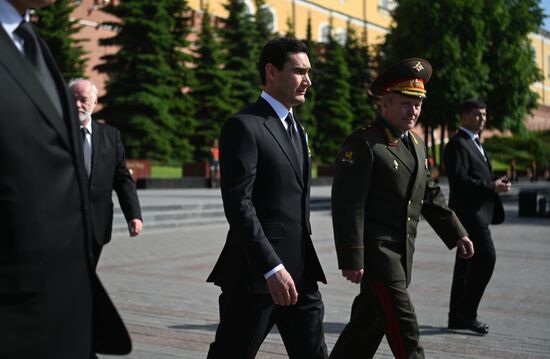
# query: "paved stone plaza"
{"points": [[157, 281]]}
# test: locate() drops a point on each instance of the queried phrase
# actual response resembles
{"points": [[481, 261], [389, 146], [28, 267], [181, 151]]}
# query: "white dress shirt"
{"points": [[10, 20], [474, 136]]}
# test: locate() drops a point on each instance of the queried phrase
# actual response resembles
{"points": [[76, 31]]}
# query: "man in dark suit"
{"points": [[474, 198], [381, 187], [105, 164], [52, 304], [268, 269]]}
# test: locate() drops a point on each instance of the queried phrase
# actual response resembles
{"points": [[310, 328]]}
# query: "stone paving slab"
{"points": [[157, 281]]}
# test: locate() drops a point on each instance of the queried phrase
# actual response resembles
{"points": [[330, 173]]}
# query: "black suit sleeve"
{"points": [[457, 164], [238, 166], [124, 185]]}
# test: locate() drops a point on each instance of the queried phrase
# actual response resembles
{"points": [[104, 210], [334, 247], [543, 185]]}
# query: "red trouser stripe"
{"points": [[394, 332]]}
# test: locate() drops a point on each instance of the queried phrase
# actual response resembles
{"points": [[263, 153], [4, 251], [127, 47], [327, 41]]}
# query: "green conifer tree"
{"points": [[358, 60], [332, 102], [141, 90], [211, 93], [179, 59], [264, 22], [55, 25], [306, 111], [239, 39]]}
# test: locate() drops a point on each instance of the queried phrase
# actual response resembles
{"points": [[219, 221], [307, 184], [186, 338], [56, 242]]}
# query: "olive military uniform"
{"points": [[380, 189]]}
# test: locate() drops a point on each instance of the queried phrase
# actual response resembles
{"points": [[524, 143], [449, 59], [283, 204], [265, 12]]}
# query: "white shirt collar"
{"points": [[10, 20], [279, 108], [88, 127], [472, 135]]}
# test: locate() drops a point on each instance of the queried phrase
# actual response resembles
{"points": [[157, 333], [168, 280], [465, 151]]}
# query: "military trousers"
{"points": [[382, 308]]}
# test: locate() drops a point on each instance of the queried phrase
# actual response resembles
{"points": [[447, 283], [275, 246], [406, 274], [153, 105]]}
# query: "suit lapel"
{"points": [[22, 73], [475, 151], [275, 127]]}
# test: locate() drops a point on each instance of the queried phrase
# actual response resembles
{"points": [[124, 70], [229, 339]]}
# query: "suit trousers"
{"points": [[471, 276], [381, 308], [246, 318]]}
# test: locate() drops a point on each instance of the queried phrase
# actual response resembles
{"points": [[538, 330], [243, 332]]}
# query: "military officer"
{"points": [[381, 187]]}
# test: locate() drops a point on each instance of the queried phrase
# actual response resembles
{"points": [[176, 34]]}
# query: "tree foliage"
{"points": [[306, 111], [239, 37], [478, 49], [361, 75], [332, 102], [211, 93], [144, 92], [511, 61], [55, 25]]}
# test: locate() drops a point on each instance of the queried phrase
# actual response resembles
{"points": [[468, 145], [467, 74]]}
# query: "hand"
{"points": [[282, 288], [465, 248], [502, 185], [134, 227], [353, 275]]}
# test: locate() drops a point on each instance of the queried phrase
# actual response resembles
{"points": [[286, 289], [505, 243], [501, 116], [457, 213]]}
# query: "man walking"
{"points": [[105, 163], [474, 198], [381, 187], [268, 269]]}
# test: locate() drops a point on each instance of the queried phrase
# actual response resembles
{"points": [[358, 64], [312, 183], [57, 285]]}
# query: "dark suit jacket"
{"points": [[266, 201], [379, 192], [109, 172], [47, 281], [471, 182]]}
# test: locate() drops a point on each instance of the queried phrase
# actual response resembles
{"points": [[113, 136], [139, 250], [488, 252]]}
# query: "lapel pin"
{"points": [[395, 164]]}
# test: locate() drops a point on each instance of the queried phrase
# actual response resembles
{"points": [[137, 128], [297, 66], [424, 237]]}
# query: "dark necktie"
{"points": [[476, 140], [407, 142], [295, 138], [36, 59], [87, 149]]}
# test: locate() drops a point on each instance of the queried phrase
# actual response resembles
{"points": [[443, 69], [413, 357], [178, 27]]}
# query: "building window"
{"points": [[340, 36], [548, 67], [386, 5], [249, 7], [324, 32], [272, 14]]}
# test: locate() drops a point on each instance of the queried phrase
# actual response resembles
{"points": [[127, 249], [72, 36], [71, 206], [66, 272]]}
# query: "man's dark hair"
{"points": [[471, 104], [276, 52]]}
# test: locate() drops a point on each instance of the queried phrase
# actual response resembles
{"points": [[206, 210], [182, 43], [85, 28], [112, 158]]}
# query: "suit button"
{"points": [[408, 219], [410, 202], [422, 202]]}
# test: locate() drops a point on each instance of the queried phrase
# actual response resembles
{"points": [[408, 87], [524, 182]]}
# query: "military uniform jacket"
{"points": [[379, 192]]}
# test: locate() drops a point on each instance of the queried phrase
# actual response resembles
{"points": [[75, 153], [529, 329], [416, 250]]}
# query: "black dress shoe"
{"points": [[473, 325]]}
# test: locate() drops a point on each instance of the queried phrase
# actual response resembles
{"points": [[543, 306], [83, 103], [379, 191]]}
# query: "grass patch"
{"points": [[164, 171]]}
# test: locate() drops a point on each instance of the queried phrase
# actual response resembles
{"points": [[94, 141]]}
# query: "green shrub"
{"points": [[523, 148]]}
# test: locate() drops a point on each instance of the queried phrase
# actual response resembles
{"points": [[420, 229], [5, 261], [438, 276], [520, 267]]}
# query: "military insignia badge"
{"points": [[418, 67], [347, 158], [395, 164], [392, 140]]}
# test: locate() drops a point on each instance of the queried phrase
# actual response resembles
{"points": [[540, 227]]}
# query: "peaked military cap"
{"points": [[407, 77]]}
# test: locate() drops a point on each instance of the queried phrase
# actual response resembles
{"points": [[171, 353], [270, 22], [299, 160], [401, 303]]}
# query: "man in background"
{"points": [[474, 197], [52, 304], [105, 164]]}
